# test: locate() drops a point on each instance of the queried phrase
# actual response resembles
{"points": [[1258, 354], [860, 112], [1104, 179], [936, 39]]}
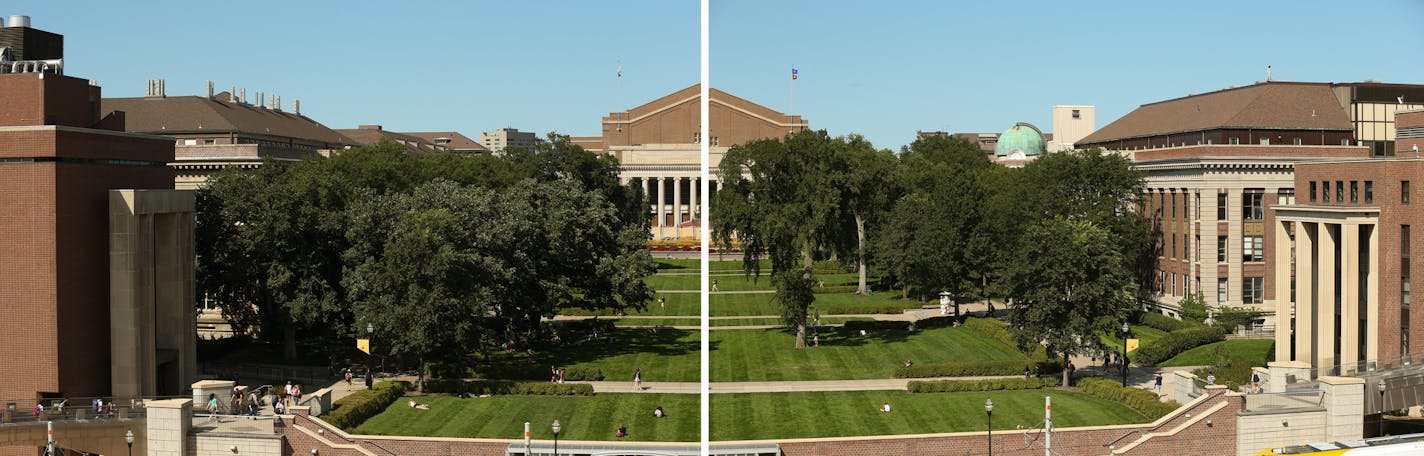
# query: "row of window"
{"points": [[1324, 195], [1253, 289], [1232, 141]]}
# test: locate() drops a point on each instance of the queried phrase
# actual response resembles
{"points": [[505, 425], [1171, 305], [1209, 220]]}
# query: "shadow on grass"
{"points": [[840, 337], [626, 341]]}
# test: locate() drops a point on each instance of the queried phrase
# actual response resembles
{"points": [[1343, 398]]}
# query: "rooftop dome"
{"points": [[1022, 140]]}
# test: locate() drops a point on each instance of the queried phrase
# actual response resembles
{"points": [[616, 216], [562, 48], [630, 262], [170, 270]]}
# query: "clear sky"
{"points": [[467, 66], [885, 69]]}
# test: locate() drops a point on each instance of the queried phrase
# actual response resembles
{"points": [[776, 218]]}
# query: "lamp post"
{"points": [[370, 354], [556, 437], [1381, 386], [989, 413], [128, 438], [1125, 330]]}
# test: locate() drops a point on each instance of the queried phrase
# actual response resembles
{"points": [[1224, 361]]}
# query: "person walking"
{"points": [[212, 407], [1157, 382], [348, 379], [714, 285], [638, 379]]}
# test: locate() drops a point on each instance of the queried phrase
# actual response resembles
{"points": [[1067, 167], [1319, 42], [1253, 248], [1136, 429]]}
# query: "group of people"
{"points": [[557, 374]]}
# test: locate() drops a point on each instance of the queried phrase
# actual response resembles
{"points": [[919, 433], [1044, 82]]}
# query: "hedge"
{"points": [[1143, 401], [1176, 342], [971, 369], [867, 309], [536, 372], [951, 386], [875, 325], [356, 408], [1164, 322], [481, 387], [1233, 375]]}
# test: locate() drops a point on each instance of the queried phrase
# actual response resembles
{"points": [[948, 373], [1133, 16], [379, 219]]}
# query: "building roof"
{"points": [[1023, 138], [196, 115], [373, 134], [1268, 105], [457, 140]]}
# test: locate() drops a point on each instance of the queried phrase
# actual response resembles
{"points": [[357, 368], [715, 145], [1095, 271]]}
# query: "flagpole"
{"points": [[791, 89], [619, 100]]}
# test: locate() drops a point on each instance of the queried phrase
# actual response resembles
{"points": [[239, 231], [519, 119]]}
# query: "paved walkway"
{"points": [[743, 292]]}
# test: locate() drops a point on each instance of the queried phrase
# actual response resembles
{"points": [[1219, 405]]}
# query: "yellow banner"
{"points": [[1131, 345], [365, 345]]}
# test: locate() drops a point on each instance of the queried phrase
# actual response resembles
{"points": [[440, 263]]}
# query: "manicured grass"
{"points": [[667, 355], [678, 265], [1144, 334], [582, 418], [826, 303], [678, 305], [777, 321], [741, 282], [674, 282], [835, 414], [769, 354], [658, 322], [1254, 351]]}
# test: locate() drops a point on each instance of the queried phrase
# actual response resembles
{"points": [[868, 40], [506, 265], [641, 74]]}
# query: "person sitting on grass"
{"points": [[885, 408], [909, 363], [622, 430], [417, 405], [658, 412]]}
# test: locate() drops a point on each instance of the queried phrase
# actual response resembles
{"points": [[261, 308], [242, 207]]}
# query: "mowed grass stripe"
{"points": [[678, 304], [667, 355], [730, 305], [1255, 351], [582, 418], [777, 321], [769, 355], [856, 413], [674, 282]]}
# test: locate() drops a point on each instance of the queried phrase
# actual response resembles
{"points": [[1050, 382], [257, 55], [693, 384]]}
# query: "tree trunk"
{"points": [[420, 375], [905, 292], [801, 335], [1066, 380], [860, 250], [289, 340]]}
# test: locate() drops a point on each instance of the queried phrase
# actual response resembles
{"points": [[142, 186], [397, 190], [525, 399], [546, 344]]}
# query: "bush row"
{"points": [[479, 387], [1176, 342], [536, 372], [1143, 401], [951, 386], [867, 309], [974, 368], [1233, 375], [874, 325], [1163, 322], [356, 408]]}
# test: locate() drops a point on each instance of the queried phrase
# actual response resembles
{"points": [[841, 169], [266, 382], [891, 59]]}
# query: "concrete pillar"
{"points": [[662, 205], [1305, 290], [1350, 292], [1343, 397], [1325, 300], [677, 206], [1183, 386], [1284, 307], [1372, 298], [1281, 374], [201, 390], [168, 424], [695, 202]]}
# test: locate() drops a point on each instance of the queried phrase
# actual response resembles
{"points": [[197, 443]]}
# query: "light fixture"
{"points": [[233, 448]]}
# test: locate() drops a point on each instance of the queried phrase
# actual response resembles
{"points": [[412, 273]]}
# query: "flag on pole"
{"points": [[620, 70], [364, 345], [793, 74]]}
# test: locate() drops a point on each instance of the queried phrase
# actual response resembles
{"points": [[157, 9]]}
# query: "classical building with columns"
{"points": [[658, 146]]}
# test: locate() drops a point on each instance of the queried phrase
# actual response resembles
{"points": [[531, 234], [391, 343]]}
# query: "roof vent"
{"points": [[18, 21]]}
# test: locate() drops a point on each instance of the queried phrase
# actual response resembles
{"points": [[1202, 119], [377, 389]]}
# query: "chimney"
{"points": [[210, 89], [277, 103], [232, 94], [244, 96], [155, 88], [261, 100], [1268, 73], [297, 107]]}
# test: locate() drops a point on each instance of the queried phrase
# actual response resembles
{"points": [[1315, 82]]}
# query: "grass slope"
{"points": [[1254, 351], [582, 418], [769, 355], [727, 305], [834, 414], [777, 321], [678, 305], [668, 355]]}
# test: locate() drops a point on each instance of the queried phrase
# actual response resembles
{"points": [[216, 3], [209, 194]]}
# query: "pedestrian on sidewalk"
{"points": [[348, 379], [638, 379], [1157, 382], [1255, 383], [1211, 378]]}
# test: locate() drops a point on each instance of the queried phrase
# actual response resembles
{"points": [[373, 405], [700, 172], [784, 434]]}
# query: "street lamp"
{"points": [[1381, 386], [1125, 333], [989, 412], [556, 437], [370, 353], [128, 438]]}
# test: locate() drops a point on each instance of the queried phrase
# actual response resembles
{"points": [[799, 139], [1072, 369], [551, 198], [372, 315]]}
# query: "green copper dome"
{"points": [[1022, 137]]}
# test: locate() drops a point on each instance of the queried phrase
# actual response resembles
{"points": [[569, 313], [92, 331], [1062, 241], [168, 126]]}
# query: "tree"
{"points": [[1068, 284], [866, 180], [1193, 307]]}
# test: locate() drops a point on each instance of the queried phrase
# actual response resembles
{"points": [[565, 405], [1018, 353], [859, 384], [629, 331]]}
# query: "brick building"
{"points": [[97, 248]]}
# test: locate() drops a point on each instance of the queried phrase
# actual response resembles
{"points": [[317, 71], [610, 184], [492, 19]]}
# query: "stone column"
{"points": [[1350, 292], [1372, 299], [1343, 396], [1325, 300], [661, 206], [1305, 235], [1281, 373], [677, 206], [1283, 301], [168, 424]]}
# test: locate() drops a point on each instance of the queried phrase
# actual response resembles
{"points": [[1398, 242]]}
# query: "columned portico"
{"points": [[1336, 264]]}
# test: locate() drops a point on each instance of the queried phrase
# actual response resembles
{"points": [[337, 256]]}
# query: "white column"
{"points": [[1282, 281], [696, 203], [1372, 306], [1350, 293], [677, 206], [661, 207], [1329, 290], [1305, 235]]}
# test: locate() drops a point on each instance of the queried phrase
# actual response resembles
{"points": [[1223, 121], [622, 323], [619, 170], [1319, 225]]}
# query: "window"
{"points": [[190, 142], [1312, 191], [1197, 215], [1345, 142], [1252, 206], [1076, 114], [1296, 141], [1221, 291], [1174, 247], [1251, 249], [1354, 191], [1339, 191], [1235, 141], [1252, 290], [1186, 247], [1404, 192], [1221, 206], [1265, 141], [1174, 283], [1325, 191], [1369, 192], [1221, 249]]}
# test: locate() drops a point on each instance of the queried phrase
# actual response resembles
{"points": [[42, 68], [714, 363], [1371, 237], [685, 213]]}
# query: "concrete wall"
{"points": [[151, 268]]}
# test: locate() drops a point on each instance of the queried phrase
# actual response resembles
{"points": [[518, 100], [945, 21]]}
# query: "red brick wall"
{"points": [[28, 287], [51, 100], [1253, 150]]}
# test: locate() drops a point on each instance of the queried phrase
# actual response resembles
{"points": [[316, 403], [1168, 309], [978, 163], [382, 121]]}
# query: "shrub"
{"points": [[935, 322], [1164, 322], [1176, 342], [1234, 374], [963, 369], [875, 325], [997, 330], [356, 408], [535, 372], [950, 386], [869, 309], [480, 387], [1143, 401]]}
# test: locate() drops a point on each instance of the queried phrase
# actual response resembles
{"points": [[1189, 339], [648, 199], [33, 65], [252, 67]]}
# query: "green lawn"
{"points": [[777, 321], [678, 265], [674, 282], [769, 354], [658, 322], [835, 414], [582, 418], [728, 305], [678, 305], [1255, 351], [736, 281], [1144, 334], [668, 355]]}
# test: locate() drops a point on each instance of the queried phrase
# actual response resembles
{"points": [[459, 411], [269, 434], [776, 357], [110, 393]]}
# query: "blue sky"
{"points": [[410, 66], [886, 69]]}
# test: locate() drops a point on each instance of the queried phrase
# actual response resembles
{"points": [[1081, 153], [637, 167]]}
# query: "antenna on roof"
{"points": [[297, 107], [1268, 73], [210, 89]]}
